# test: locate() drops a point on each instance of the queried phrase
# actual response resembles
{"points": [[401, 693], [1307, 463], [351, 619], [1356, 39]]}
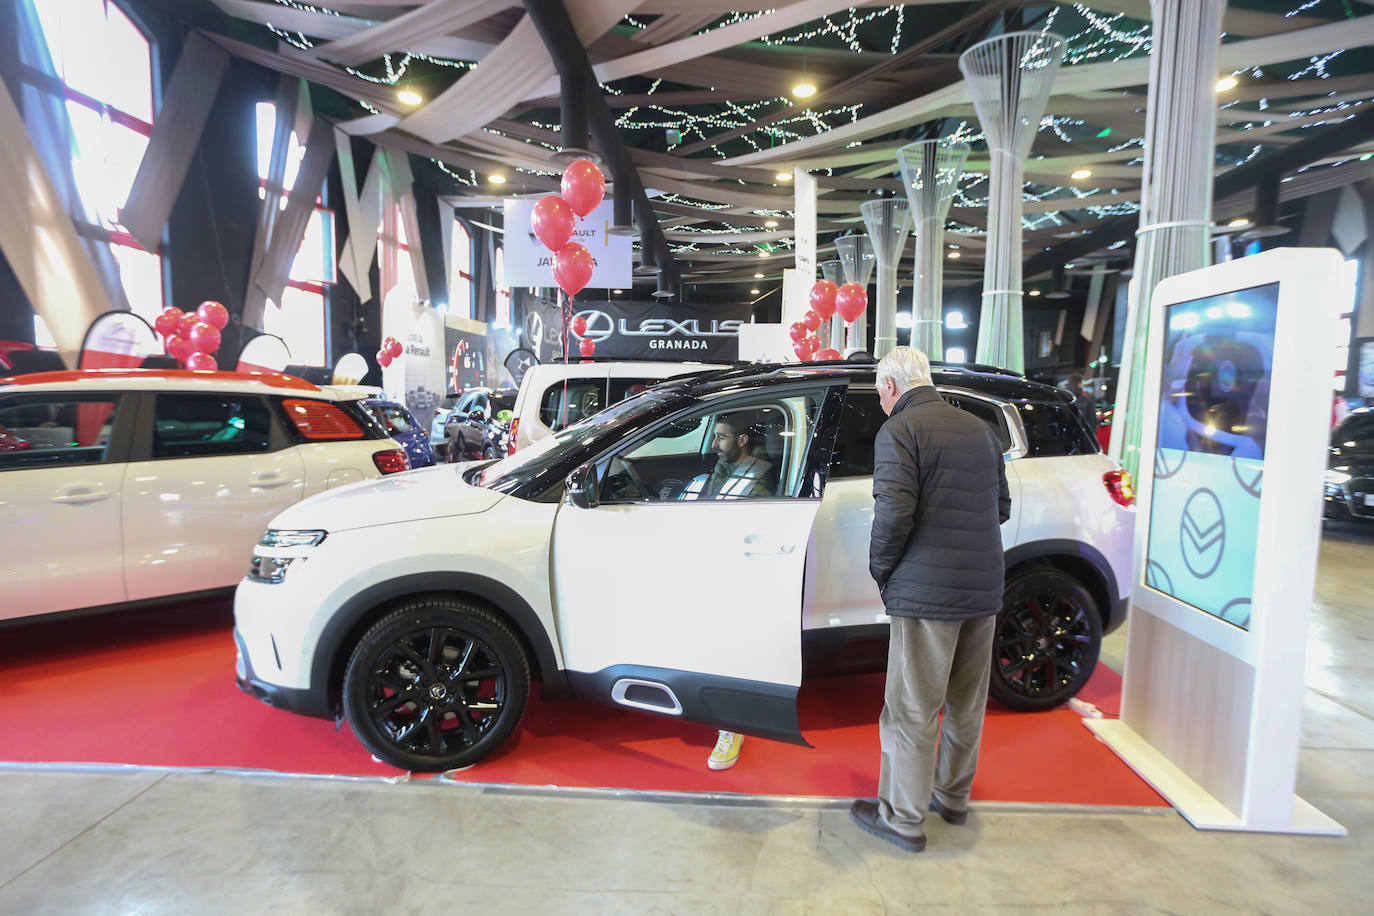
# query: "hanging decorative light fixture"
{"points": [[930, 171]]}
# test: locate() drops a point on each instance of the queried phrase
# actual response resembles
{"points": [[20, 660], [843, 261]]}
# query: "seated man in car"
{"points": [[738, 473]]}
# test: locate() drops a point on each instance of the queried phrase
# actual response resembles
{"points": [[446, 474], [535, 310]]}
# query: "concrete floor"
{"points": [[153, 842]]}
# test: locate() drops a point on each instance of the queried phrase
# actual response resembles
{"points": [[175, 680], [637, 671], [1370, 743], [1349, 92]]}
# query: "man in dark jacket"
{"points": [[940, 496]]}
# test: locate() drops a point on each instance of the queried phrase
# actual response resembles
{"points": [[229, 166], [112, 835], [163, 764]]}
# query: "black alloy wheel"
{"points": [[1047, 638], [435, 685], [489, 454]]}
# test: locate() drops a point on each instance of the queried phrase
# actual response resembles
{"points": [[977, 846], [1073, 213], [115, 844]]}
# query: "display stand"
{"points": [[1227, 529]]}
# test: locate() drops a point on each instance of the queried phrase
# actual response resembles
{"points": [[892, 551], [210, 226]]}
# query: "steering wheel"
{"points": [[626, 471]]}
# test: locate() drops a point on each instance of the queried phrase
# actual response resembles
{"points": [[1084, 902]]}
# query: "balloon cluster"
{"points": [[191, 338], [848, 301], [391, 348], [555, 219]]}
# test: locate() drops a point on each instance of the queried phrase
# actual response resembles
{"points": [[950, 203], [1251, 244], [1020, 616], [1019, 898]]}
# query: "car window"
{"points": [[862, 416], [618, 389], [1054, 429], [465, 403], [54, 430], [397, 421], [752, 449], [1355, 432], [564, 404], [198, 425]]}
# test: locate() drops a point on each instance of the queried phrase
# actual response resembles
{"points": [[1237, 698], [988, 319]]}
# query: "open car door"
{"points": [[677, 571]]}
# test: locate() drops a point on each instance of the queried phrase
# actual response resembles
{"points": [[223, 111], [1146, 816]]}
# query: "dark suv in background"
{"points": [[1350, 467]]}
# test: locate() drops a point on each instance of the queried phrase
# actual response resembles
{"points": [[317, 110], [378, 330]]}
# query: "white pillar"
{"points": [[889, 224], [931, 170], [856, 258]]}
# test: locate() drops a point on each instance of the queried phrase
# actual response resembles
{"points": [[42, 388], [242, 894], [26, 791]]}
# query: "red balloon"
{"points": [[584, 186], [811, 320], [812, 345], [553, 222], [204, 338], [212, 313], [383, 358], [572, 266], [587, 347], [168, 322], [851, 301], [187, 321], [393, 347], [201, 361], [179, 348], [797, 331], [823, 298], [579, 326], [828, 353]]}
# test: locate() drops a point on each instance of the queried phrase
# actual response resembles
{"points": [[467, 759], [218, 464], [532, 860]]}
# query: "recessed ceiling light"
{"points": [[765, 254], [1034, 292], [758, 276], [770, 224], [1240, 222], [1227, 83], [1080, 174], [497, 179], [409, 97], [617, 291], [783, 176], [804, 90], [953, 255], [753, 292]]}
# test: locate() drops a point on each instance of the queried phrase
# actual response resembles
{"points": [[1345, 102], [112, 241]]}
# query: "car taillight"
{"points": [[1120, 487], [321, 420], [514, 431], [391, 461]]}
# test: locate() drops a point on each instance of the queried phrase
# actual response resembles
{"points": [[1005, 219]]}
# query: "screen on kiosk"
{"points": [[1209, 453]]}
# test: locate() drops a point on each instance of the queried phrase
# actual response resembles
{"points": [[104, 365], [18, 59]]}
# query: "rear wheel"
{"points": [[437, 684], [1048, 636]]}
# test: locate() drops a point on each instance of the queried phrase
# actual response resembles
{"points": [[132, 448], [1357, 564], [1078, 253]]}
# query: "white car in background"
{"points": [[554, 396], [120, 486], [421, 606]]}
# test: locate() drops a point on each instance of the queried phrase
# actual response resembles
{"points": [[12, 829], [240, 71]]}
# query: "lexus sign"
{"points": [[652, 331]]}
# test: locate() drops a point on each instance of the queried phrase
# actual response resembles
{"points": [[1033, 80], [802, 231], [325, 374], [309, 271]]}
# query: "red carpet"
{"points": [[155, 688]]}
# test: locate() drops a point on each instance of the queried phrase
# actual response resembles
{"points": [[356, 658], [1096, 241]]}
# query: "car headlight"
{"points": [[270, 569], [276, 537]]}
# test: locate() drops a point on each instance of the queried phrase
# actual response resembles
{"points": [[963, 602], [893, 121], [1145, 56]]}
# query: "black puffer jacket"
{"points": [[940, 496]]}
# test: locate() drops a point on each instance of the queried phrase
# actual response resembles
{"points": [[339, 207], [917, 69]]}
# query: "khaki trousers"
{"points": [[932, 664]]}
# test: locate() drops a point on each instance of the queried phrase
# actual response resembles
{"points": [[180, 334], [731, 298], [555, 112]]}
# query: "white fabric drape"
{"points": [[413, 29], [176, 134], [1009, 78], [285, 231], [40, 243], [363, 213], [930, 170], [402, 187], [889, 224], [1176, 206]]}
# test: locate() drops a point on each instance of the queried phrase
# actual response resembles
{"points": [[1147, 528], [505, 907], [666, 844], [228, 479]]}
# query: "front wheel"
{"points": [[437, 684], [1047, 639]]}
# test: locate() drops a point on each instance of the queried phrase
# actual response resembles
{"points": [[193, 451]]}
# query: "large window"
{"points": [[460, 254], [103, 65], [301, 317], [502, 317]]}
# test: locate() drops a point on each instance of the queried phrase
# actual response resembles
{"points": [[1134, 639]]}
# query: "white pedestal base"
{"points": [[1192, 801]]}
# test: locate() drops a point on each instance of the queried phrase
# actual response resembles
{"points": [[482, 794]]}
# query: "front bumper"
{"points": [[309, 702]]}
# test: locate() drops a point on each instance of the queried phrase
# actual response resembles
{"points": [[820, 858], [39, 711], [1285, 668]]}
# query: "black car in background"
{"points": [[479, 427], [1350, 467]]}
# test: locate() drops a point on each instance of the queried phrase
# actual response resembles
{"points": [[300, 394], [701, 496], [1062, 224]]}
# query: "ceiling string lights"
{"points": [[1176, 191], [1009, 78], [930, 172]]}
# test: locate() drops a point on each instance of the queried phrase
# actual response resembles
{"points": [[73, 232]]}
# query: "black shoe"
{"points": [[865, 814], [950, 816]]}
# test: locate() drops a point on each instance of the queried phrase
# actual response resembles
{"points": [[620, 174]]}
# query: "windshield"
{"points": [[528, 463]]}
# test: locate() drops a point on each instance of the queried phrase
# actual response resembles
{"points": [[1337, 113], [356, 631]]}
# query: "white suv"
{"points": [[420, 607], [553, 396], [125, 485]]}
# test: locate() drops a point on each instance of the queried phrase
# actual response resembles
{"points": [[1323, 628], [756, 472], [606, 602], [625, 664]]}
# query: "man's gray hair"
{"points": [[906, 366]]}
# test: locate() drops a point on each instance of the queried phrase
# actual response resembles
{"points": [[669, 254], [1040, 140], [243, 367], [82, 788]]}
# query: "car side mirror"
{"points": [[581, 487]]}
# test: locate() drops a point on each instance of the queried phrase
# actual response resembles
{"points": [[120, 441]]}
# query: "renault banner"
{"points": [[529, 263], [635, 330]]}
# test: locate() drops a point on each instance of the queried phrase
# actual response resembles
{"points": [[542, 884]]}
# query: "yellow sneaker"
{"points": [[726, 752]]}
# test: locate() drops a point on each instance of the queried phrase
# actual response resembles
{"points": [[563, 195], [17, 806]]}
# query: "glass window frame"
{"points": [[146, 449], [121, 426]]}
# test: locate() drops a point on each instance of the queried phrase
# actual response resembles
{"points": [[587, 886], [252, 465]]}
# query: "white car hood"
{"points": [[433, 492]]}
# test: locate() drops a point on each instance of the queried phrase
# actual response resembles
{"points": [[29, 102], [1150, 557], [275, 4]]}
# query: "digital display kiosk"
{"points": [[1228, 522]]}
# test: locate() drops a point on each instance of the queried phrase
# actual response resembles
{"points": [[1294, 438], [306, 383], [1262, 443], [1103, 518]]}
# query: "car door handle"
{"points": [[759, 545], [267, 481], [78, 494]]}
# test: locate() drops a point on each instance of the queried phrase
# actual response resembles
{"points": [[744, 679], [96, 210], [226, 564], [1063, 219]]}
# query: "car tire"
{"points": [[404, 691], [489, 454], [1046, 642]]}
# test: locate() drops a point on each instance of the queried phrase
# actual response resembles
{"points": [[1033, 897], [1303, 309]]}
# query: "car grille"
{"points": [[1359, 488]]}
